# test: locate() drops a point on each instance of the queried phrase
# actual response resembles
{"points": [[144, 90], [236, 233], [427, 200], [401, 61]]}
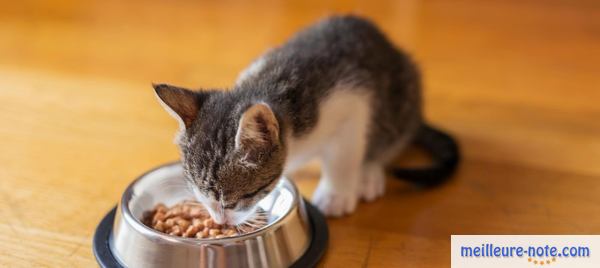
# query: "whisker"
{"points": [[260, 218], [254, 226], [241, 229]]}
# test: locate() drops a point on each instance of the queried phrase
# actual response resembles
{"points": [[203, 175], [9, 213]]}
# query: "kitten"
{"points": [[339, 91]]}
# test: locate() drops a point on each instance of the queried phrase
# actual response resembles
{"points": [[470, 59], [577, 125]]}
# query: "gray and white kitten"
{"points": [[339, 91]]}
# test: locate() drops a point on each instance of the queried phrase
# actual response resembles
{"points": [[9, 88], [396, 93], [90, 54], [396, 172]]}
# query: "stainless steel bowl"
{"points": [[284, 240]]}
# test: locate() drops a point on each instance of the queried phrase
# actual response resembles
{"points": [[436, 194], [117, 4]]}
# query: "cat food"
{"points": [[190, 219]]}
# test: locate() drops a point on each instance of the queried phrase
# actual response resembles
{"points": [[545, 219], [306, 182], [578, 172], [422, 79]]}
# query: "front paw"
{"points": [[334, 203]]}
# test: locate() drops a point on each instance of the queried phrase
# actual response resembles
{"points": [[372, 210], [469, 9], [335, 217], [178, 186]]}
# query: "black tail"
{"points": [[445, 153]]}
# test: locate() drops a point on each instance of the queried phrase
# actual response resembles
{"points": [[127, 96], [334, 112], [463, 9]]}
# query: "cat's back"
{"points": [[339, 36], [330, 50], [327, 70]]}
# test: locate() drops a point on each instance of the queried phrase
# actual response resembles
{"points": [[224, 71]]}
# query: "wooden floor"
{"points": [[517, 82]]}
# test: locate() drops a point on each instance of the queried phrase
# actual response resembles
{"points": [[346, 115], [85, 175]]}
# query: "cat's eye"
{"points": [[231, 206], [249, 195]]}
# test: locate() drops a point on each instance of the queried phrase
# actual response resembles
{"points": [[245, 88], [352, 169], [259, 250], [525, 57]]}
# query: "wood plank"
{"points": [[515, 81]]}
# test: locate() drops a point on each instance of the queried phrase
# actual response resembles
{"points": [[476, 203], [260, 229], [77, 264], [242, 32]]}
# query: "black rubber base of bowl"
{"points": [[310, 258]]}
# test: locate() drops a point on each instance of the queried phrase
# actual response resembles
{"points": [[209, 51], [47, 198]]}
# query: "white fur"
{"points": [[339, 139], [254, 68]]}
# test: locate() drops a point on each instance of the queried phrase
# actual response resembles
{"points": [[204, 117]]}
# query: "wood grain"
{"points": [[516, 81]]}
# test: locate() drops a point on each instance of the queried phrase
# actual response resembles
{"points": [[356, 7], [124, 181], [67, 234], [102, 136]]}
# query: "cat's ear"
{"points": [[181, 103], [258, 128]]}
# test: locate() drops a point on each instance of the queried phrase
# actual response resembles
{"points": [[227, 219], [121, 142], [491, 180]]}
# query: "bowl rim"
{"points": [[152, 234]]}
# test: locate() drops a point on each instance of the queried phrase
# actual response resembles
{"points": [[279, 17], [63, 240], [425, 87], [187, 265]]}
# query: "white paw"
{"points": [[334, 203], [372, 183]]}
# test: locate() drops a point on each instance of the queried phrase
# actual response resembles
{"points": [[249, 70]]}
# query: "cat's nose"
{"points": [[220, 218], [216, 212]]}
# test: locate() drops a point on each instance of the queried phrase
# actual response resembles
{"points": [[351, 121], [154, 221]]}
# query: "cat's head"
{"points": [[232, 150]]}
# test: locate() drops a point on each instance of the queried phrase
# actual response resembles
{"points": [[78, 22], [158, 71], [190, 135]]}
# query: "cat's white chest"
{"points": [[335, 113]]}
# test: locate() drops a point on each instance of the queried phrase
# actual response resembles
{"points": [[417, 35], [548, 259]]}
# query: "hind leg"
{"points": [[373, 179], [372, 182]]}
